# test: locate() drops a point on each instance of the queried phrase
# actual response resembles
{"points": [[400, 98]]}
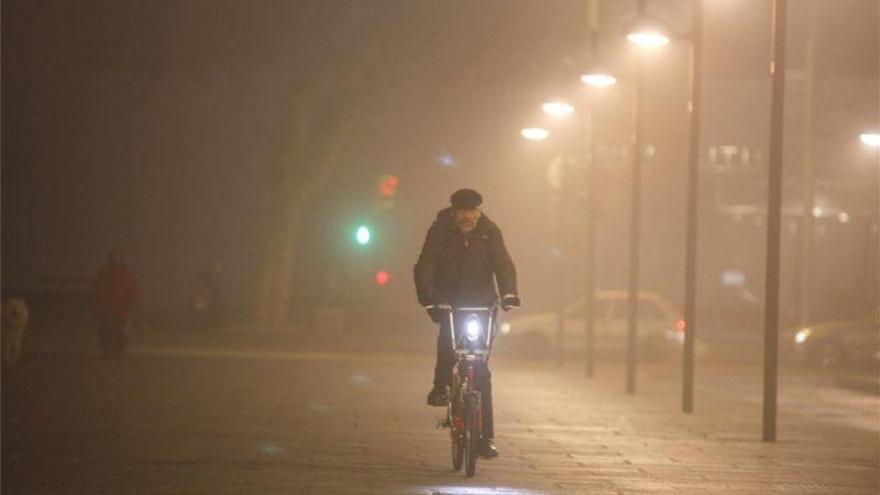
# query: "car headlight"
{"points": [[802, 335], [473, 328]]}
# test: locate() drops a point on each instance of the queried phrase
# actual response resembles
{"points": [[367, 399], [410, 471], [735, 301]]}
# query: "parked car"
{"points": [[660, 327], [835, 344]]}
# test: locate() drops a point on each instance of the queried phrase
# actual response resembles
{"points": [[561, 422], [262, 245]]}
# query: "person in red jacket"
{"points": [[116, 295]]}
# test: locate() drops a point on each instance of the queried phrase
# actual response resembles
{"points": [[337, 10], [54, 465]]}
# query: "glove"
{"points": [[437, 312], [509, 302]]}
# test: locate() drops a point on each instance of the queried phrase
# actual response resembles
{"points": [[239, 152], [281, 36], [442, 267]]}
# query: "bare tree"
{"points": [[323, 109]]}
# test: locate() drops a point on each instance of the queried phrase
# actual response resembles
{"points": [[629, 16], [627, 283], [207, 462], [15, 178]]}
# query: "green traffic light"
{"points": [[362, 235]]}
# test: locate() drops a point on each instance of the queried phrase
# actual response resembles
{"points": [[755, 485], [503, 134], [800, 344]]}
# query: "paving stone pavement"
{"points": [[263, 422]]}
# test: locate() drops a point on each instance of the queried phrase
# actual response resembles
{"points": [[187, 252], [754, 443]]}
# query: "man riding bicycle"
{"points": [[462, 259]]}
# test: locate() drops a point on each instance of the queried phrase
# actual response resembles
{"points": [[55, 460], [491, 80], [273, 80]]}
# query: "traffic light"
{"points": [[388, 185], [382, 278], [362, 235]]}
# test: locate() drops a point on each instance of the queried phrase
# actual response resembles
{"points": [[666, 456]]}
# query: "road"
{"points": [[263, 422]]}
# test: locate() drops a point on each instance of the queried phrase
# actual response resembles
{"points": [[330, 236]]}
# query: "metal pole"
{"points": [[590, 214], [590, 254], [805, 229], [635, 218], [774, 218], [562, 252], [690, 270]]}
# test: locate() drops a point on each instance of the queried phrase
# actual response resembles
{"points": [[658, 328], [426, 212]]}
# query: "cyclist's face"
{"points": [[466, 220]]}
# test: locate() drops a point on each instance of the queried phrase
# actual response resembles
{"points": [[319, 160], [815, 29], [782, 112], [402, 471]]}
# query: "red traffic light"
{"points": [[382, 278], [388, 185]]}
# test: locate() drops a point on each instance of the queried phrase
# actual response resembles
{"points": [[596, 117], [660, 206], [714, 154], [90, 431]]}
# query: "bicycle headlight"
{"points": [[473, 328]]}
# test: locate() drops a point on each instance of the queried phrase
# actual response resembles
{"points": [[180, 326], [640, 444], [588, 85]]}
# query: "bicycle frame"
{"points": [[465, 411]]}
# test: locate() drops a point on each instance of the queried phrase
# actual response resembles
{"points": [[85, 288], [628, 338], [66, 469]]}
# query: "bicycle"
{"points": [[472, 330]]}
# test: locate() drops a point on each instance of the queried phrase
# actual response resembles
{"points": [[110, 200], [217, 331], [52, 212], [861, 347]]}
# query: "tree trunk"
{"points": [[312, 144]]}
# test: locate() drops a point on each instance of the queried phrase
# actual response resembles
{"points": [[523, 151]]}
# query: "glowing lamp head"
{"points": [[648, 38], [598, 79], [557, 108], [648, 31], [535, 133], [473, 328], [871, 139]]}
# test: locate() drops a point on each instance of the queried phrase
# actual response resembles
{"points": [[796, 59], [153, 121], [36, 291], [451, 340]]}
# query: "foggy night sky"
{"points": [[148, 125]]}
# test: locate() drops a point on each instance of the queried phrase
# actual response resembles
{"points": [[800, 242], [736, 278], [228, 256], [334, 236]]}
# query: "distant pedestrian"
{"points": [[207, 299], [15, 318], [116, 295]]}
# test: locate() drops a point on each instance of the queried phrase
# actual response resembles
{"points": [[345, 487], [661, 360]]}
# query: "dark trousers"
{"points": [[482, 375], [113, 336]]}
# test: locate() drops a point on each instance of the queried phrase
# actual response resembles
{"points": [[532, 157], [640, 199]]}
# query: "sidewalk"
{"points": [[560, 433], [588, 436], [196, 418]]}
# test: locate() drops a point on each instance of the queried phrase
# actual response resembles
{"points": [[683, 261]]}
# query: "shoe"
{"points": [[488, 449], [438, 397]]}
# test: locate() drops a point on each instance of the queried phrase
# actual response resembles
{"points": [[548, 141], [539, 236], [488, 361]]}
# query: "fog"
{"points": [[269, 171]]}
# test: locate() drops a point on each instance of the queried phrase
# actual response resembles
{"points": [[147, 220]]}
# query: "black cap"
{"points": [[466, 199]]}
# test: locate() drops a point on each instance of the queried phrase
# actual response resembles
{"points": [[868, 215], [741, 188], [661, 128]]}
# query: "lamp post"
{"points": [[690, 270], [559, 109], [597, 77], [651, 32], [647, 32], [774, 222]]}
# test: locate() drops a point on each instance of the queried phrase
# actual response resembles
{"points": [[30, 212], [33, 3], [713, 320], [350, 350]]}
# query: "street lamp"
{"points": [[557, 108], [871, 139], [597, 75], [648, 32], [535, 133], [652, 32], [774, 222], [598, 80]]}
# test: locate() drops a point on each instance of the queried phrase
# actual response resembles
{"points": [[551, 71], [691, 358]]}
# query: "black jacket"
{"points": [[458, 268]]}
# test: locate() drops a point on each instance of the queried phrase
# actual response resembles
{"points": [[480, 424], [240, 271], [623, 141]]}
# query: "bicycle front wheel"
{"points": [[457, 451], [471, 433]]}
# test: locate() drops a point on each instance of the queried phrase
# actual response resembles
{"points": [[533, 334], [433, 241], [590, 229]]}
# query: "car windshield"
{"points": [[647, 309], [578, 308]]}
